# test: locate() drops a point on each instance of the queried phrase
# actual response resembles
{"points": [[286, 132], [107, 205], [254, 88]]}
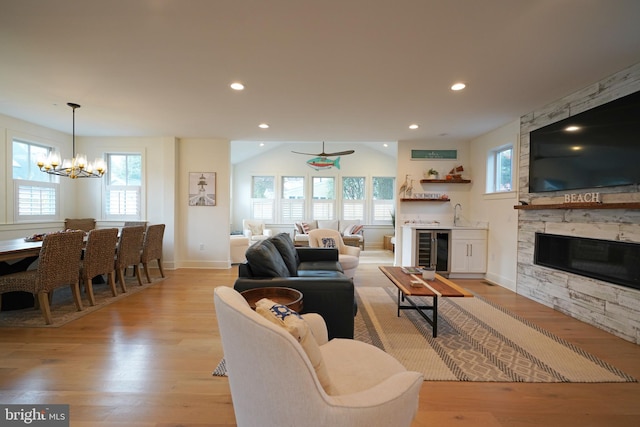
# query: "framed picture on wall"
{"points": [[202, 188]]}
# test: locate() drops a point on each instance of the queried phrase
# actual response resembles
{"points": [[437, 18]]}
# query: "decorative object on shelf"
{"points": [[77, 166], [432, 174], [202, 188], [454, 174], [434, 154], [406, 189]]}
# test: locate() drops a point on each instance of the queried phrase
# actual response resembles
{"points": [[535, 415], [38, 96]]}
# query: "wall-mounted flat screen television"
{"points": [[596, 148]]}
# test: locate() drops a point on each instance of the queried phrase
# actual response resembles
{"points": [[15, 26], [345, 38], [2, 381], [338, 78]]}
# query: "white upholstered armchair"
{"points": [[273, 382], [255, 230], [348, 256]]}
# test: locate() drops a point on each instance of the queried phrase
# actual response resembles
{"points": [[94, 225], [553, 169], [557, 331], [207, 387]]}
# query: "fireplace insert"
{"points": [[608, 260]]}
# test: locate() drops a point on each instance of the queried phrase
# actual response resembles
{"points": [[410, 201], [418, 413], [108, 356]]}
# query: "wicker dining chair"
{"points": [[135, 223], [58, 265], [152, 248], [84, 224], [99, 259], [128, 253]]}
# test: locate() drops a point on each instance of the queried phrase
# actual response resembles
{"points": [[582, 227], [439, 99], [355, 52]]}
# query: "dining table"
{"points": [[13, 249], [17, 255]]}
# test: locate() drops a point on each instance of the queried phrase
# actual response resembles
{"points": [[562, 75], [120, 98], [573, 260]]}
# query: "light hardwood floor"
{"points": [[146, 361]]}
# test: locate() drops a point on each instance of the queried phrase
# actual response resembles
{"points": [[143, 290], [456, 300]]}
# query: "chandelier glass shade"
{"points": [[77, 166]]}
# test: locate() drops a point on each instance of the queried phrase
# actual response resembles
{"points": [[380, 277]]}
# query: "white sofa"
{"points": [[274, 382], [300, 238]]}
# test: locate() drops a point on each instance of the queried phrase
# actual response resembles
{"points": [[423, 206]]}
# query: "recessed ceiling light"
{"points": [[263, 126], [262, 144], [413, 126], [572, 128], [458, 86], [385, 145], [237, 86]]}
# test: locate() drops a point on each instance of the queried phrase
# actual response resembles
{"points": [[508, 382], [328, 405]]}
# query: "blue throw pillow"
{"points": [[328, 242]]}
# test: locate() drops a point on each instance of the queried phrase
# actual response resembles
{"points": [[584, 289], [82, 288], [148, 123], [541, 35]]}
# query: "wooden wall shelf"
{"points": [[622, 205], [445, 181], [425, 200]]}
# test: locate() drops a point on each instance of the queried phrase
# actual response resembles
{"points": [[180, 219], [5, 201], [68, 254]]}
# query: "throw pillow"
{"points": [[305, 227], [299, 227], [284, 245], [356, 229], [265, 260], [290, 320], [328, 242]]}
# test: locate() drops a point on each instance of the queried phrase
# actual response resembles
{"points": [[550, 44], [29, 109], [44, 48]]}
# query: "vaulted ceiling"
{"points": [[332, 70]]}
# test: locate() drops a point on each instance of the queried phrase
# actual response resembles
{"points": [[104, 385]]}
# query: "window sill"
{"points": [[500, 196]]}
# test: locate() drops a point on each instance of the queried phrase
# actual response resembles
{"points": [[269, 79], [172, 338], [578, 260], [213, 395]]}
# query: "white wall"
{"points": [[280, 161], [432, 211], [204, 230], [496, 209]]}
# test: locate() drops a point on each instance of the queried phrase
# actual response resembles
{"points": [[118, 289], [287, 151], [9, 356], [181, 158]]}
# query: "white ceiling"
{"points": [[332, 70]]}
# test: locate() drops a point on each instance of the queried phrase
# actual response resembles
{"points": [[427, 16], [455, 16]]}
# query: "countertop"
{"points": [[439, 226]]}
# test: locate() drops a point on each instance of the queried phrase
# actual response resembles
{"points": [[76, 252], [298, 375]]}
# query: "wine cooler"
{"points": [[428, 248]]}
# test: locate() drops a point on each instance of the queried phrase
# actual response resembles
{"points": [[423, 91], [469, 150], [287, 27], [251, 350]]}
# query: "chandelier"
{"points": [[77, 166]]}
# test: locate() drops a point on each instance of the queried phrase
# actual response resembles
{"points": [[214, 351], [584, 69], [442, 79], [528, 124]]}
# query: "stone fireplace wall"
{"points": [[614, 308]]}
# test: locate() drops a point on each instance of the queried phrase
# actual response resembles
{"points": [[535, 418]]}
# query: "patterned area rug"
{"points": [[63, 310], [477, 341]]}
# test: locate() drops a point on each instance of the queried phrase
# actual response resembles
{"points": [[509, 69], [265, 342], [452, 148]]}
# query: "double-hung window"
{"points": [[323, 194], [292, 201], [263, 198], [500, 169], [36, 194], [353, 198], [382, 205], [123, 195]]}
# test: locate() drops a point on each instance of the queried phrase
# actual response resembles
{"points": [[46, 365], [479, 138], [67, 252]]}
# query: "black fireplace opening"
{"points": [[608, 260]]}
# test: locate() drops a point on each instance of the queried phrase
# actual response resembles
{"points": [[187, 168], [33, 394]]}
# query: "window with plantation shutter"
{"points": [[35, 200], [262, 198], [123, 187], [353, 198], [35, 193], [123, 201], [293, 200], [323, 203], [382, 206]]}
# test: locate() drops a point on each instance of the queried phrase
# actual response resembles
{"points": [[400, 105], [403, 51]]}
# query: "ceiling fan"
{"points": [[323, 154]]}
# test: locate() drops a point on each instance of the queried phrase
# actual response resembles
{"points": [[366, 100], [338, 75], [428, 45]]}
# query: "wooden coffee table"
{"points": [[413, 285]]}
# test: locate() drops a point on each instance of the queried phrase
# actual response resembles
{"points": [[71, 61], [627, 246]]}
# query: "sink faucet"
{"points": [[456, 215]]}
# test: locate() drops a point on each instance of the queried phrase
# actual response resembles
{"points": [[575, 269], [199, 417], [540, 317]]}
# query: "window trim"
{"points": [[138, 189], [493, 168], [53, 181]]}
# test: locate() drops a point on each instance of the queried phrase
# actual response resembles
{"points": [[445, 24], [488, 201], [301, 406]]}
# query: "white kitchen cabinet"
{"points": [[468, 253]]}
